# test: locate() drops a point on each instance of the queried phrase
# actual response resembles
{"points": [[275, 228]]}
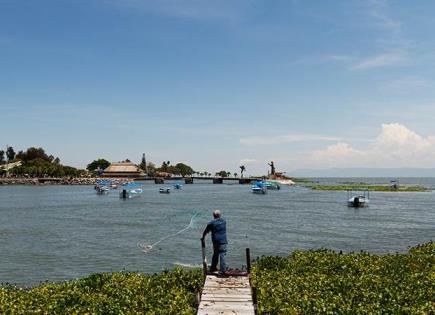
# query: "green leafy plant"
{"points": [[326, 282]]}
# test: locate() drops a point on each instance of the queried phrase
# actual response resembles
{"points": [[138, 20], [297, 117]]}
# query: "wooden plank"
{"points": [[230, 295], [226, 290]]}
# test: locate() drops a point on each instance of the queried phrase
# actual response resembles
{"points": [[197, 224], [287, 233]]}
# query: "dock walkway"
{"points": [[231, 295]]}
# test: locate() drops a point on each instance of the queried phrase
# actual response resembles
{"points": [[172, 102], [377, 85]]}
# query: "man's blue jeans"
{"points": [[219, 253]]}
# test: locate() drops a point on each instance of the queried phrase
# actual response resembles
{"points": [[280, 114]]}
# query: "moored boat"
{"points": [[259, 187], [130, 190], [165, 190], [357, 200]]}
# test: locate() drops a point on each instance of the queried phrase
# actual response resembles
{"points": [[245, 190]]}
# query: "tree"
{"points": [[2, 156], [10, 153], [143, 163], [222, 174], [183, 169], [98, 164], [56, 161], [228, 174], [151, 169], [242, 169], [33, 153], [235, 174]]}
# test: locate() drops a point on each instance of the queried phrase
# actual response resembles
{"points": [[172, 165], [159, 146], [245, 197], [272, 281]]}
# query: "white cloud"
{"points": [[395, 146], [263, 140], [381, 60], [247, 161]]}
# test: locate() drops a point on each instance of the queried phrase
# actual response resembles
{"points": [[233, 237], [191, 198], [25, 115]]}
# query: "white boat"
{"points": [[259, 190], [272, 184], [102, 190], [357, 200], [284, 182], [259, 187], [165, 190], [130, 190]]}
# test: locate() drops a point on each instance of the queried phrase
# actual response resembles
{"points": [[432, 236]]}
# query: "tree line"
{"points": [[35, 162]]}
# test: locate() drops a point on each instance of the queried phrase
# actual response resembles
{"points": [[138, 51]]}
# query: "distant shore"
{"points": [[57, 181]]}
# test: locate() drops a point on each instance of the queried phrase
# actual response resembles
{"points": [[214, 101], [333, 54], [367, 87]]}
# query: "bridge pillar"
{"points": [[244, 181], [188, 180], [218, 180], [159, 181]]}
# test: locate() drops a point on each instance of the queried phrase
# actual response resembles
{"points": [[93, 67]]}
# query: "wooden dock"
{"points": [[230, 295]]}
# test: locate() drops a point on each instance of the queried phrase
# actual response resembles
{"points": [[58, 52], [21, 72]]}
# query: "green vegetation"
{"points": [[370, 187], [36, 163], [99, 164], [325, 282], [108, 293], [306, 282], [178, 169]]}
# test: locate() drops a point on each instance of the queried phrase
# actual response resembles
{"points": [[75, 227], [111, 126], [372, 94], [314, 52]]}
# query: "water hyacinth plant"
{"points": [[326, 282]]}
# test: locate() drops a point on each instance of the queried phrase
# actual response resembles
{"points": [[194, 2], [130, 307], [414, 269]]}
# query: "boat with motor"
{"points": [[165, 190], [103, 186], [259, 187], [271, 184], [178, 186], [358, 199], [130, 190]]}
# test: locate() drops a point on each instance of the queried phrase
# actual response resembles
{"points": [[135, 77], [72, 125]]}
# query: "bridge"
{"points": [[190, 180]]}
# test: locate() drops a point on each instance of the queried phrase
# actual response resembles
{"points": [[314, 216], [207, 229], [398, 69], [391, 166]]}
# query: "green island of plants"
{"points": [[108, 293], [326, 282], [370, 188], [306, 282]]}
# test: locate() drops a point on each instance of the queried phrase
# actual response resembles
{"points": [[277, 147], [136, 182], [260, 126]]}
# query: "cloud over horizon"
{"points": [[395, 146]]}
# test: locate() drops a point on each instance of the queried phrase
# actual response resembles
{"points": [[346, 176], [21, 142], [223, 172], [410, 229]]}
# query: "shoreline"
{"points": [[57, 181]]}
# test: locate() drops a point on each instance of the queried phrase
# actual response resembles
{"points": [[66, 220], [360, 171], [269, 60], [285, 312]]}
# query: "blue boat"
{"points": [[130, 190], [178, 186], [259, 187]]}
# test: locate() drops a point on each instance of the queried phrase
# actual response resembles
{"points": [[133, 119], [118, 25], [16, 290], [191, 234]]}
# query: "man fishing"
{"points": [[218, 229]]}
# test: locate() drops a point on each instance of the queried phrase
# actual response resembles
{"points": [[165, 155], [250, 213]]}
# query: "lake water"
{"points": [[62, 232]]}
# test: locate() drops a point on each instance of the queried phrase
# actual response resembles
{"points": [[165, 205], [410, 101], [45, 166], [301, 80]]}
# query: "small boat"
{"points": [[394, 184], [103, 186], [178, 186], [130, 190], [165, 190], [259, 187], [101, 190], [357, 200], [271, 184]]}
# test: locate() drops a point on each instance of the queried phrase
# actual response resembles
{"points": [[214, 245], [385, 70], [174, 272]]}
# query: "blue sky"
{"points": [[308, 84]]}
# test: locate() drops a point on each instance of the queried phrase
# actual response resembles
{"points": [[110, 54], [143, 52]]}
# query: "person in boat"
{"points": [[218, 229]]}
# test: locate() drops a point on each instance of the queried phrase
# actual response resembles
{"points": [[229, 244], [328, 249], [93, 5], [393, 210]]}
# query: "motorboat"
{"points": [[271, 184], [259, 187], [130, 190], [165, 190], [178, 186], [357, 200], [102, 186], [101, 190]]}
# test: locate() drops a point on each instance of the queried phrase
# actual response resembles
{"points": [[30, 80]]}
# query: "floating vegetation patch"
{"points": [[108, 293], [326, 282], [385, 188]]}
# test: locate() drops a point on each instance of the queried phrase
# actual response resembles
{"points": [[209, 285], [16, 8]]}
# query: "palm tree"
{"points": [[242, 169], [235, 175]]}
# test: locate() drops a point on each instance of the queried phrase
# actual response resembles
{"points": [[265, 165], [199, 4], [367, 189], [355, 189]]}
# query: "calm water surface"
{"points": [[62, 232]]}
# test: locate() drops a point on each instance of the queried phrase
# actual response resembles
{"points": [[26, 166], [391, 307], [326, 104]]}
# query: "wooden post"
{"points": [[204, 258], [248, 260]]}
